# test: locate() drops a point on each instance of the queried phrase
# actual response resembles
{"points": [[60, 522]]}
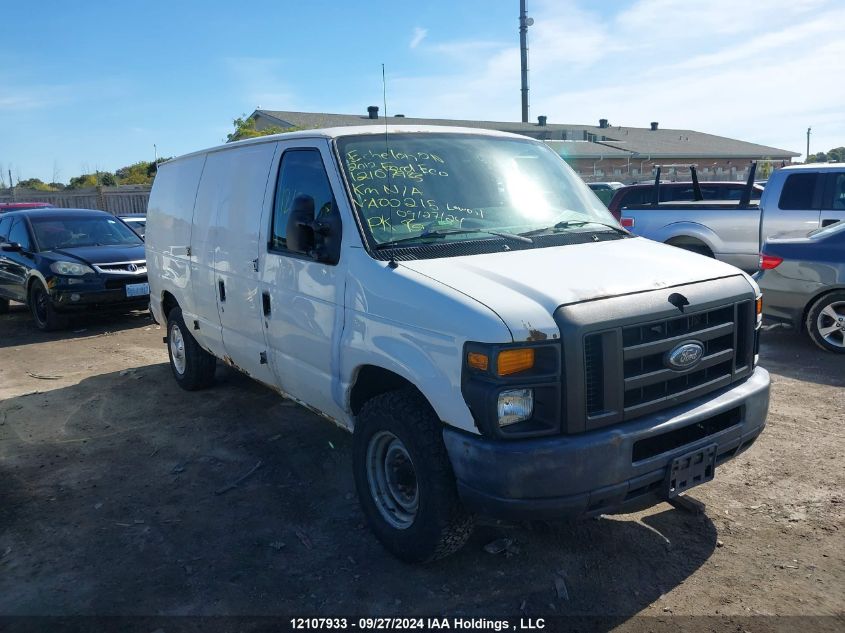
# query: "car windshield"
{"points": [[69, 232], [405, 185]]}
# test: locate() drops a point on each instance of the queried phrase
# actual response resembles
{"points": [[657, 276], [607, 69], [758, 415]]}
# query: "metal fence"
{"points": [[120, 200]]}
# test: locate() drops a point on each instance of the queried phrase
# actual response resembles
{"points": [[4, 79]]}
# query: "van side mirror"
{"points": [[12, 247], [316, 236]]}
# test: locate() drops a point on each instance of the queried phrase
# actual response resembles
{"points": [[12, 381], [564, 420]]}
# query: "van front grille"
{"points": [[593, 374], [647, 377], [626, 373]]}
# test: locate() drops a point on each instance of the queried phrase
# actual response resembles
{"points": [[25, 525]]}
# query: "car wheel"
{"points": [[192, 366], [826, 322], [4, 306], [404, 479], [45, 315]]}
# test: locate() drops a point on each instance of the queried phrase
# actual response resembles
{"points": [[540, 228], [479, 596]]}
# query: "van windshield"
{"points": [[406, 185]]}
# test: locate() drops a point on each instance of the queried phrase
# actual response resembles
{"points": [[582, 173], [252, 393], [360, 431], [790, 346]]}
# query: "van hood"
{"points": [[525, 287]]}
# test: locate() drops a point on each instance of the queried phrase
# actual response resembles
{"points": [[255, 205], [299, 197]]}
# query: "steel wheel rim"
{"points": [[392, 480], [177, 349], [830, 324], [40, 304]]}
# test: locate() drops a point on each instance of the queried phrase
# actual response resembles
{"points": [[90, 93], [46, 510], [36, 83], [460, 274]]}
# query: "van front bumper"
{"points": [[596, 472]]}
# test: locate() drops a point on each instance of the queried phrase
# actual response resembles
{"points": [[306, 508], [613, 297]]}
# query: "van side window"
{"points": [[300, 173], [798, 192], [20, 234]]}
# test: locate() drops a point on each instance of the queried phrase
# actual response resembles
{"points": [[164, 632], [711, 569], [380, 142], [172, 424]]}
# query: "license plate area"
{"points": [[691, 470], [137, 290]]}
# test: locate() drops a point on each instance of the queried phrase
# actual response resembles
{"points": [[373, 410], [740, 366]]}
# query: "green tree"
{"points": [[764, 169], [245, 128], [141, 173], [837, 155], [82, 181], [35, 183]]}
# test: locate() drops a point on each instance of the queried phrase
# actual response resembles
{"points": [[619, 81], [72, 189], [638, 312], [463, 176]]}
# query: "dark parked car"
{"points": [[803, 284], [59, 261], [21, 206], [605, 190], [678, 191]]}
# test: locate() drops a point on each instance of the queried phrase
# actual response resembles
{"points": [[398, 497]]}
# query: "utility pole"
{"points": [[807, 155], [524, 23]]}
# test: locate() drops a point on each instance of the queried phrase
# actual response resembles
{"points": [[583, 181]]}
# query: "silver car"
{"points": [[803, 284]]}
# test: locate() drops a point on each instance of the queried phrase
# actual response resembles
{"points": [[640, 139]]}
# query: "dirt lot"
{"points": [[113, 501]]}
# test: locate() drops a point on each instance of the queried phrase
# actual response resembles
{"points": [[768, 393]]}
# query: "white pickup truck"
{"points": [[454, 298], [796, 200]]}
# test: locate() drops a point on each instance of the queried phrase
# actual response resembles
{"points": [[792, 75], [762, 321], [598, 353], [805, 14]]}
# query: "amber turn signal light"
{"points": [[478, 361], [513, 361], [759, 305]]}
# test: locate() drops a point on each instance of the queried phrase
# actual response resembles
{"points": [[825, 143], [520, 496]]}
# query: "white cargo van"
{"points": [[463, 304]]}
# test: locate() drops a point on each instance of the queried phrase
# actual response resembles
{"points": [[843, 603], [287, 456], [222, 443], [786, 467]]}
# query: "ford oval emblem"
{"points": [[685, 356]]}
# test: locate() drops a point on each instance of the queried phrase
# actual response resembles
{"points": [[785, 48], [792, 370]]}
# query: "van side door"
{"points": [[303, 298], [237, 180], [796, 210]]}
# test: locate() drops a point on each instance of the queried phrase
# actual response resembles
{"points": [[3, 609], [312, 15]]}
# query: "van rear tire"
{"points": [[405, 483], [193, 367]]}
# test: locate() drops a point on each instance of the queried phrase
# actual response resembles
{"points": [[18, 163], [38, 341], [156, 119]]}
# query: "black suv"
{"points": [[59, 261]]}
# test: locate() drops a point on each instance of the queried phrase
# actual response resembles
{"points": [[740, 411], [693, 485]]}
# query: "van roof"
{"points": [[355, 130]]}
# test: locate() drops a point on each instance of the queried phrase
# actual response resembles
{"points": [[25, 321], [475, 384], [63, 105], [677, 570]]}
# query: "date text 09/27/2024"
{"points": [[423, 624]]}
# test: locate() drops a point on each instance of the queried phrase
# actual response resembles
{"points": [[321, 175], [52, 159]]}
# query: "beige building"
{"points": [[597, 152]]}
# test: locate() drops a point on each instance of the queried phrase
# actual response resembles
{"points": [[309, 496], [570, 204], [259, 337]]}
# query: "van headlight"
{"points": [[515, 405], [71, 269]]}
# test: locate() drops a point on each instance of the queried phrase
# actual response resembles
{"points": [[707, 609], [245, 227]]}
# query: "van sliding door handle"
{"points": [[265, 302], [222, 288]]}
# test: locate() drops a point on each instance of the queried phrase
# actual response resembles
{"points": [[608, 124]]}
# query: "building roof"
{"points": [[636, 142]]}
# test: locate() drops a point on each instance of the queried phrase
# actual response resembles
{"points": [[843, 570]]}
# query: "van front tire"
{"points": [[404, 479], [192, 366]]}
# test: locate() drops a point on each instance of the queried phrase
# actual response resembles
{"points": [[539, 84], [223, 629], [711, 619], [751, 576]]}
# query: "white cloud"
{"points": [[760, 72], [259, 80], [418, 36]]}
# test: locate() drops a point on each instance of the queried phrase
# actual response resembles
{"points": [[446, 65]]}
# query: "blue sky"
{"points": [[93, 85]]}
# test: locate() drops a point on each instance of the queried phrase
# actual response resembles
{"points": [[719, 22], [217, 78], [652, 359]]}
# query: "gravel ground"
{"points": [[115, 499]]}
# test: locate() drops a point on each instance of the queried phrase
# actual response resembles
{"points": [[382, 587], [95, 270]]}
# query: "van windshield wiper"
{"points": [[454, 231], [565, 224]]}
